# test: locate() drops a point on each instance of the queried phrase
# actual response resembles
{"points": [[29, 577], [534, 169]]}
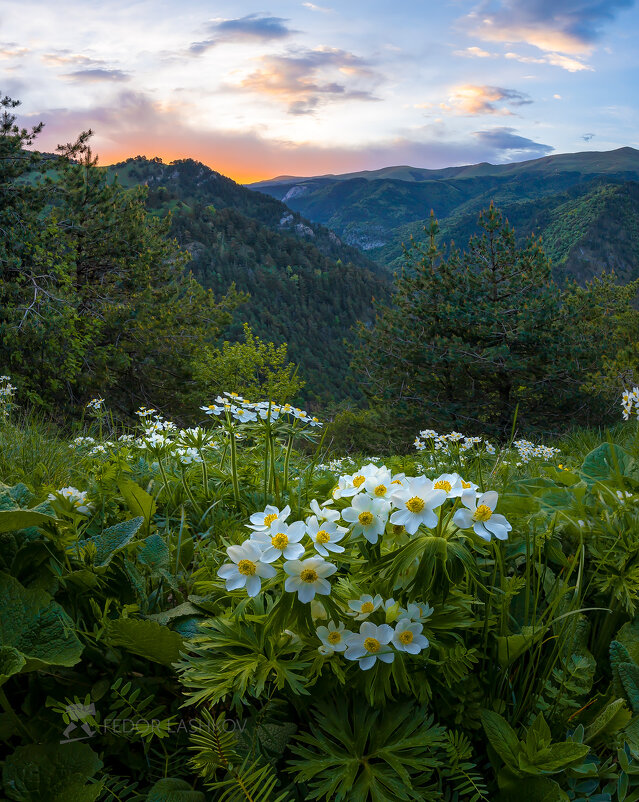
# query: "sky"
{"points": [[299, 88]]}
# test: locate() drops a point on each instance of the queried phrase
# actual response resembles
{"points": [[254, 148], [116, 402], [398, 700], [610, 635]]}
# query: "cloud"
{"points": [[313, 7], [9, 50], [560, 26], [134, 124], [555, 59], [64, 58], [472, 99], [251, 28], [588, 137], [508, 141], [305, 79], [474, 52], [96, 75]]}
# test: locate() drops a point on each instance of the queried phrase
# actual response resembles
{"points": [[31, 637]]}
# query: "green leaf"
{"points": [[53, 772], [612, 719], [538, 735], [112, 540], [553, 759], [138, 501], [502, 737], [13, 520], [532, 789], [145, 638], [154, 552], [36, 626], [510, 647], [629, 676], [606, 462], [171, 790], [11, 662]]}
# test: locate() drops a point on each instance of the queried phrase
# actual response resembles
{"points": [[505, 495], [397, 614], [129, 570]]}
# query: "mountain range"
{"points": [[585, 206]]}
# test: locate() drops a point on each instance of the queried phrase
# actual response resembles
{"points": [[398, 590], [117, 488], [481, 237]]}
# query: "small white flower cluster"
{"points": [[630, 403], [528, 451], [7, 389], [245, 411], [376, 642], [76, 498], [453, 442], [95, 404]]}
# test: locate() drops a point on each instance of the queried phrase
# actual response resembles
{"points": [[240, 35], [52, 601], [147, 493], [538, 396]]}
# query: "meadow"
{"points": [[235, 612]]}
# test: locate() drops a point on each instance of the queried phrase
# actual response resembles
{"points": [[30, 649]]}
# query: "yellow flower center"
{"points": [[372, 645], [280, 540], [368, 607], [442, 484], [465, 485], [358, 481], [380, 490], [415, 504], [406, 637], [268, 519], [365, 518], [334, 637], [247, 567], [482, 513], [397, 529], [322, 536], [309, 575], [396, 482]]}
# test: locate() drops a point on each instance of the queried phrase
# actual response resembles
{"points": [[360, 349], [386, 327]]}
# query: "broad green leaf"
{"points": [[138, 500], [145, 638], [502, 737], [171, 790], [53, 772], [612, 719], [510, 647], [531, 789], [628, 636], [11, 662], [36, 626], [154, 552], [112, 540], [629, 676], [605, 463], [553, 759], [538, 736], [13, 520]]}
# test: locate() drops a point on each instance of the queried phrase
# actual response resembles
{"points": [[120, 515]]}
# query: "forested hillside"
{"points": [[306, 287], [584, 205]]}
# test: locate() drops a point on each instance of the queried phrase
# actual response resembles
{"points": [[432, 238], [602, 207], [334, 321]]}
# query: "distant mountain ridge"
{"points": [[378, 210]]}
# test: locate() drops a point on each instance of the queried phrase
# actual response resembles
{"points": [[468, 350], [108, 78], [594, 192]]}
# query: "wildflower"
{"points": [[243, 415], [333, 637], [479, 514], [308, 577], [365, 606], [351, 485], [325, 536], [281, 540], [247, 569], [407, 637], [76, 498], [370, 645], [416, 502], [322, 513], [95, 404], [188, 456], [261, 521], [368, 517], [451, 483], [326, 651], [416, 612]]}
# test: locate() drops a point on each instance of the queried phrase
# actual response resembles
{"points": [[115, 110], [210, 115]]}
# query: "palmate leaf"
{"points": [[356, 753], [36, 626]]}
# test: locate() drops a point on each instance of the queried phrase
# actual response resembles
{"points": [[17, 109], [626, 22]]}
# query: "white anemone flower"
{"points": [[380, 484], [416, 500], [368, 516], [76, 498], [479, 514], [365, 605], [352, 484], [244, 415], [416, 612], [369, 645], [261, 521], [408, 638], [324, 512], [451, 483], [326, 651], [247, 569], [281, 540], [333, 637], [325, 535], [308, 577]]}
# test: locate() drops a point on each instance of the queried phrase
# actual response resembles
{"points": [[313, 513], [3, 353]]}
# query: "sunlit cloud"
{"points": [[555, 59], [251, 28], [305, 79], [313, 7], [10, 50], [474, 52], [96, 75], [473, 100]]}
